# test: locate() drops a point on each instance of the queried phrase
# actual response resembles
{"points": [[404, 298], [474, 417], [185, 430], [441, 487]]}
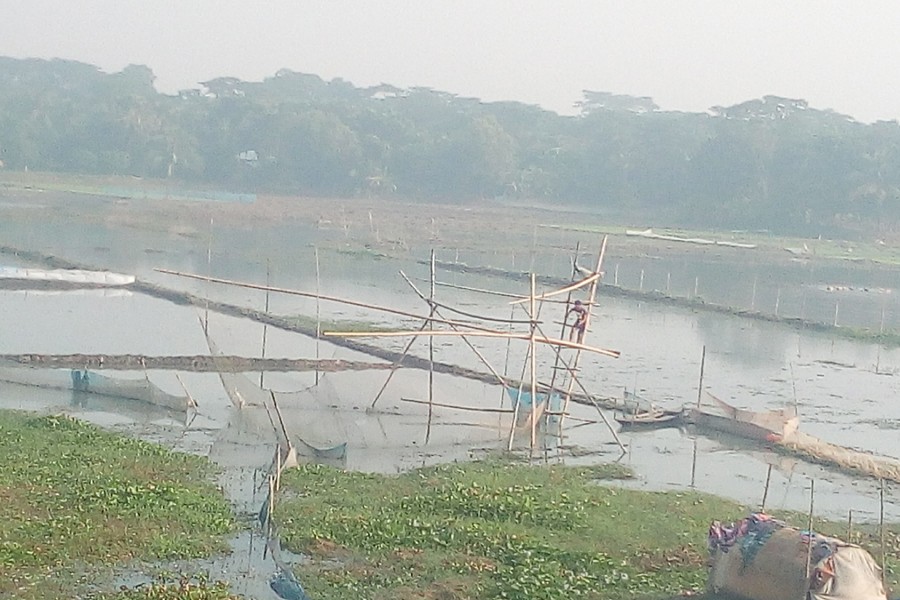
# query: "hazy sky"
{"points": [[685, 54]]}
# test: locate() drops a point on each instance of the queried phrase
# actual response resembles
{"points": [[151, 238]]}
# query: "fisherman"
{"points": [[580, 324]]}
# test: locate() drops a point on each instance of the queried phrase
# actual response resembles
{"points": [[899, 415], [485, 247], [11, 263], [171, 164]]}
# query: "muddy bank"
{"points": [[200, 363]]}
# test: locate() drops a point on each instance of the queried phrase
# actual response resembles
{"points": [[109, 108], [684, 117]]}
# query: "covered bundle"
{"points": [[761, 558]]}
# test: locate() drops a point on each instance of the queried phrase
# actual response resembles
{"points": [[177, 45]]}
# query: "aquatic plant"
{"points": [[74, 498], [492, 530]]}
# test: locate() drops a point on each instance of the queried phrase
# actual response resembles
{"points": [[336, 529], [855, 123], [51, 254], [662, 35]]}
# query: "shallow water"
{"points": [[845, 390]]}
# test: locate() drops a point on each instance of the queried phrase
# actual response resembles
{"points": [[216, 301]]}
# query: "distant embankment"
{"points": [[661, 298]]}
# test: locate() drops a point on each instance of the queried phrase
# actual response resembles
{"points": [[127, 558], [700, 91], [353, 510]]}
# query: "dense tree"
{"points": [[773, 162]]}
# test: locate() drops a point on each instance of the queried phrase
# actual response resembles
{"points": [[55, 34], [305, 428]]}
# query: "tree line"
{"points": [[771, 163]]}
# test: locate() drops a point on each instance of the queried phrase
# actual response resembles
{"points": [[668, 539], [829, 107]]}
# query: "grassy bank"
{"points": [[76, 502], [500, 530]]}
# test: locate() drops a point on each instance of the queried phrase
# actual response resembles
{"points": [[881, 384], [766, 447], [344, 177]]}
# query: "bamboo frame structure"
{"points": [[471, 329]]}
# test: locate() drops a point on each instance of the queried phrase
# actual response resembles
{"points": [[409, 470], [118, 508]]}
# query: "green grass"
{"points": [[493, 530], [75, 501], [502, 530]]}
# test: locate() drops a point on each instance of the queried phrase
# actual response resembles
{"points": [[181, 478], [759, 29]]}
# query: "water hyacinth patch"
{"points": [[75, 499]]}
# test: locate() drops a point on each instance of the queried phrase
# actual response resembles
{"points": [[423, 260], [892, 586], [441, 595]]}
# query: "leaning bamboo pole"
{"points": [[318, 311], [517, 403], [289, 291], [479, 290], [265, 330], [475, 333], [486, 409], [395, 365], [565, 290], [500, 379]]}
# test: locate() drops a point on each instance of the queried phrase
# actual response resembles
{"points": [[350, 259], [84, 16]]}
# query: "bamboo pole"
{"points": [[191, 402], [515, 419], [881, 531], [479, 290], [266, 325], [459, 407], [396, 365], [474, 333], [318, 312], [850, 525], [430, 355], [534, 391], [694, 464], [327, 298], [762, 506], [506, 361], [809, 527], [208, 273], [284, 432], [700, 387]]}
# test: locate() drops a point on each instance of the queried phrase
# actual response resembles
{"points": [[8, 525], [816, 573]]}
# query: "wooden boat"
{"points": [[658, 418], [764, 426]]}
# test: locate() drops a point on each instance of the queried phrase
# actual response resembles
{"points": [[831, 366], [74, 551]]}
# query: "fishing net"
{"points": [[305, 420], [91, 382]]}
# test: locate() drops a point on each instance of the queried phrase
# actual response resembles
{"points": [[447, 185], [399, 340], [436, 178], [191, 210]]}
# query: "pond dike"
{"points": [[695, 303]]}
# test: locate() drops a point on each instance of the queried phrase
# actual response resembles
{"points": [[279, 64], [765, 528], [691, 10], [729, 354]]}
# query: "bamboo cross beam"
{"points": [[479, 290], [476, 333], [564, 290]]}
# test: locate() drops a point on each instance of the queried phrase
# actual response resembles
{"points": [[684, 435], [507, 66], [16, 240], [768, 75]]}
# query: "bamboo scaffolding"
{"points": [[591, 399], [591, 297], [562, 333]]}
